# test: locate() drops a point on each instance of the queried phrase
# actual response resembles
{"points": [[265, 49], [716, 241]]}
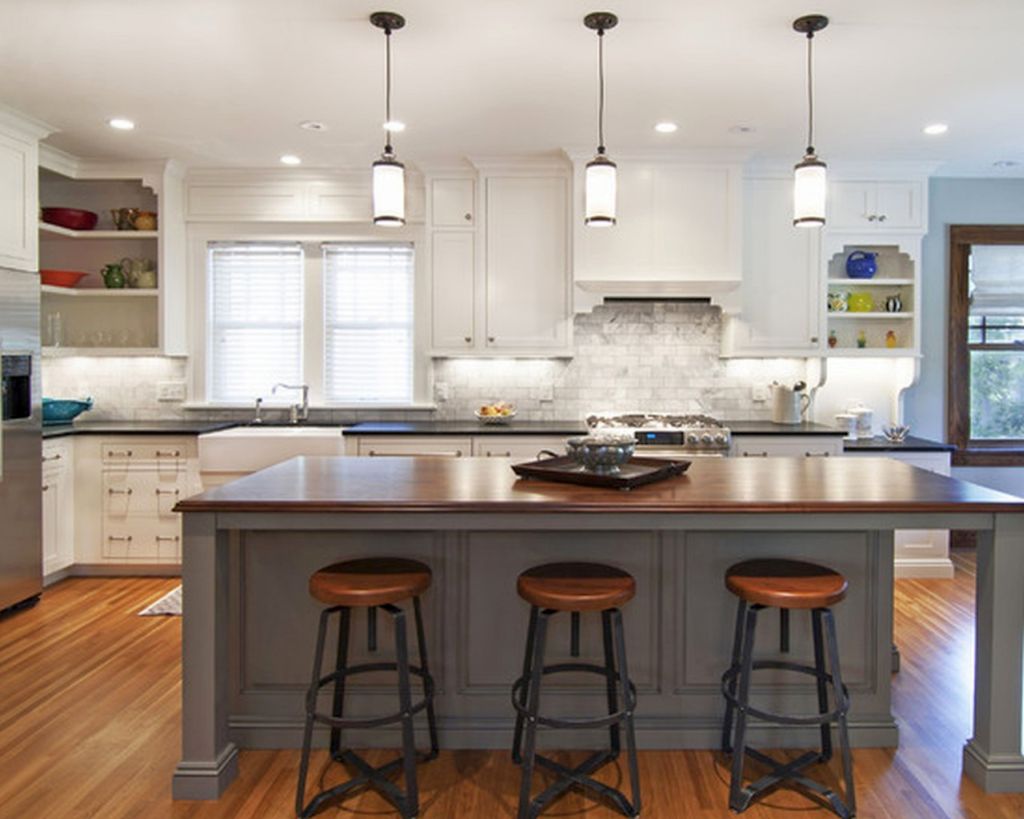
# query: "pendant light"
{"points": [[809, 174], [388, 172], [599, 177]]}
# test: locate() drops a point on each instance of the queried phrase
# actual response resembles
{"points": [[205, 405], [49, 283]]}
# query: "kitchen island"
{"points": [[249, 623]]}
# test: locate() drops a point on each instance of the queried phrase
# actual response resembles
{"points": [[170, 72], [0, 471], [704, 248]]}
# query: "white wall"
{"points": [[955, 202]]}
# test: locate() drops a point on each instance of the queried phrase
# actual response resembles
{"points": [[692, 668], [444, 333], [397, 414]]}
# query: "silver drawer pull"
{"points": [[168, 491], [51, 457], [46, 487], [175, 454], [755, 454], [124, 453], [119, 491], [174, 539], [453, 454], [817, 454], [498, 454], [127, 539]]}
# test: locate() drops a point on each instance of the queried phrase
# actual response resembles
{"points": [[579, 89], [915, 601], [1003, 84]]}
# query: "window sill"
{"points": [[989, 456]]}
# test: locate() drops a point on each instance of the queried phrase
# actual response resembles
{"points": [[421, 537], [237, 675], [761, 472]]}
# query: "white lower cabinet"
{"points": [[787, 446], [127, 489], [58, 506], [437, 446], [520, 447]]}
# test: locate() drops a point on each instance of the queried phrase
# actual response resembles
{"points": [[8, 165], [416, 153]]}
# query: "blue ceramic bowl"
{"points": [[63, 410]]}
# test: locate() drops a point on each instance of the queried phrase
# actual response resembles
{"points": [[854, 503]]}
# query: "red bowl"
{"points": [[61, 278], [70, 218]]}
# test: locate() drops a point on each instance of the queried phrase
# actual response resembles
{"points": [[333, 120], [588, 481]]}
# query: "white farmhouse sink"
{"points": [[248, 449]]}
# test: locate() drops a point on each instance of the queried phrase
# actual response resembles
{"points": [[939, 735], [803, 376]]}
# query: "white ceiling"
{"points": [[226, 82]]}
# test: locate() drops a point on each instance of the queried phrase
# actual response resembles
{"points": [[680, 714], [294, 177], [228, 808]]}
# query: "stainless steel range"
{"points": [[669, 436]]}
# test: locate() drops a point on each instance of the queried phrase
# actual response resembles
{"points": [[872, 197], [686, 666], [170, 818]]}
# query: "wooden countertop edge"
{"points": [[632, 508]]}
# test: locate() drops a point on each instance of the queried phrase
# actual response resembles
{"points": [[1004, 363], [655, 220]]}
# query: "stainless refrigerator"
{"points": [[21, 442]]}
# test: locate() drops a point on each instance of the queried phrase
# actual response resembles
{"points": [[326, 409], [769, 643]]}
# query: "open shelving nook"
{"points": [[90, 319], [882, 330]]}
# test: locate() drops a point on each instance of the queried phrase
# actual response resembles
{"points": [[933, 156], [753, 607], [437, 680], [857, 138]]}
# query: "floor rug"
{"points": [[170, 604]]}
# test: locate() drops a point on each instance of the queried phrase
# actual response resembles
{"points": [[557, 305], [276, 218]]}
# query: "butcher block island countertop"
{"points": [[711, 485], [249, 623]]}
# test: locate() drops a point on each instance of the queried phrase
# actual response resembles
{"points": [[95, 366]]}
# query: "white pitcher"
{"points": [[788, 405]]}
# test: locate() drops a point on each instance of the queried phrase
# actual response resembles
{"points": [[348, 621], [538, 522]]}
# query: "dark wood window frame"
{"points": [[958, 393]]}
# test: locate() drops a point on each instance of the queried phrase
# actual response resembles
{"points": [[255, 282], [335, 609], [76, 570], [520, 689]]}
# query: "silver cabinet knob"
{"points": [[881, 218], [469, 217], [468, 339], [490, 339], [814, 339]]}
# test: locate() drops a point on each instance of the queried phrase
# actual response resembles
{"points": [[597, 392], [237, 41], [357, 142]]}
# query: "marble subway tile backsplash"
{"points": [[652, 356], [122, 388]]}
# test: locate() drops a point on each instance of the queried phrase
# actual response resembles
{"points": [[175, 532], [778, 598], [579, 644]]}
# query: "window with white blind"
{"points": [[255, 297], [368, 322]]}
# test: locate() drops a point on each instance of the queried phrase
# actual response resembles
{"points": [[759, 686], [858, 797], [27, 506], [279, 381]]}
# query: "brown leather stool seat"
{"points": [[370, 581], [576, 586], [786, 584]]}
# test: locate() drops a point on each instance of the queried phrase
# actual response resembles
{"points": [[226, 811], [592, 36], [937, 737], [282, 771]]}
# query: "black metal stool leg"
{"points": [[421, 640], [739, 799], [819, 666], [517, 737], [737, 646], [842, 706], [614, 737], [405, 704], [307, 733], [540, 630], [629, 704], [341, 663]]}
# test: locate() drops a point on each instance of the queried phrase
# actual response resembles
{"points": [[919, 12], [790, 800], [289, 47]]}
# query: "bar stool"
{"points": [[785, 585], [370, 583], [575, 587]]}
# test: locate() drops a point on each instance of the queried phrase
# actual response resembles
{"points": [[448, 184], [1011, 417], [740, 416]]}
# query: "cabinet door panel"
{"points": [[526, 258], [18, 204], [693, 222], [850, 204], [520, 447], [900, 204], [452, 203], [453, 290]]}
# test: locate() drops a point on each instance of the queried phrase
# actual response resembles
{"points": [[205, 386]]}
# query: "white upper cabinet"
{"points": [[19, 191], [678, 232], [526, 262], [453, 289], [453, 202], [781, 309], [877, 205]]}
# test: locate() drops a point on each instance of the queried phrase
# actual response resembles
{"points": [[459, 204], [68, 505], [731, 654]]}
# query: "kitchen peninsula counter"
{"points": [[249, 623]]}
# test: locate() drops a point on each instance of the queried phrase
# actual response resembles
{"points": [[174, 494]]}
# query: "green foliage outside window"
{"points": [[997, 395]]}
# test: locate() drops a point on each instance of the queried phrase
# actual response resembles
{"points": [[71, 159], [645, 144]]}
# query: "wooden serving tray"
{"points": [[635, 472]]}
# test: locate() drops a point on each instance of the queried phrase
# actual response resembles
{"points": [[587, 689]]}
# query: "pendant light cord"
{"points": [[388, 149], [810, 95], [600, 84]]}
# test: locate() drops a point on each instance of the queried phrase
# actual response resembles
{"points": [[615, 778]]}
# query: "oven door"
{"points": [[670, 453]]}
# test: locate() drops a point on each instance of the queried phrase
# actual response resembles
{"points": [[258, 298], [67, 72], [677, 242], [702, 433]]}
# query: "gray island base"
{"points": [[249, 625]]}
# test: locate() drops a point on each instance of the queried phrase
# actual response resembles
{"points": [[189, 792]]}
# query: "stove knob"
{"points": [[720, 438], [706, 438], [692, 439]]}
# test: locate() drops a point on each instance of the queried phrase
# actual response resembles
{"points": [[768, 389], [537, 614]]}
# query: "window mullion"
{"points": [[313, 325]]}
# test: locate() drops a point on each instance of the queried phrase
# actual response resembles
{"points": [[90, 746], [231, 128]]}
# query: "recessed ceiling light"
{"points": [[312, 125], [393, 126], [666, 127], [121, 124], [936, 129], [290, 159], [1006, 163]]}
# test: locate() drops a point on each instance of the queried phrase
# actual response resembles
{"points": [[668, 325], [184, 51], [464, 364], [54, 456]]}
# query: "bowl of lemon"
{"points": [[500, 412]]}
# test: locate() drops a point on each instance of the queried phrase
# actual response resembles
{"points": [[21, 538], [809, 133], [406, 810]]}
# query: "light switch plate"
{"points": [[170, 390]]}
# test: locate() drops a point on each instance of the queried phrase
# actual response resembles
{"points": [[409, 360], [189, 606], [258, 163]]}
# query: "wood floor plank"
{"points": [[90, 701]]}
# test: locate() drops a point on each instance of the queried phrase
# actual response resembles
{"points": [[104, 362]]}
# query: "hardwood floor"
{"points": [[90, 697]]}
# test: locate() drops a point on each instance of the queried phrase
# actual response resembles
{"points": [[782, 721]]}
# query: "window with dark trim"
{"points": [[986, 344]]}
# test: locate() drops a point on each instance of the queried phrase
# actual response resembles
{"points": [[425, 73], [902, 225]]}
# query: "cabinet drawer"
{"points": [[520, 447], [143, 540], [787, 447], [438, 446], [142, 494], [172, 456]]}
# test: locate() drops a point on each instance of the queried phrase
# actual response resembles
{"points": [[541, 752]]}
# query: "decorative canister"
{"points": [[894, 304], [146, 220]]}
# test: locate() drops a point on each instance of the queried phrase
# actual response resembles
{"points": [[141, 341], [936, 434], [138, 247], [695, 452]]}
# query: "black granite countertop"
{"points": [[911, 444], [472, 427], [771, 428], [135, 428]]}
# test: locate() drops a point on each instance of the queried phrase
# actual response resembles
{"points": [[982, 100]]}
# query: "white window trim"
{"points": [[311, 237]]}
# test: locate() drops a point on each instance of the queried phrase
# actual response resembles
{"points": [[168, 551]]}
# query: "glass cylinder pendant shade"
{"points": [[809, 191], [599, 187], [388, 192]]}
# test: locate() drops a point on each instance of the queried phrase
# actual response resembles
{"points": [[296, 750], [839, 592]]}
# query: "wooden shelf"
{"points": [[870, 282], [837, 314], [97, 292], [64, 233], [64, 352]]}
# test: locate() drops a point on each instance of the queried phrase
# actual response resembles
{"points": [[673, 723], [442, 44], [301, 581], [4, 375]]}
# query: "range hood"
{"points": [[678, 236]]}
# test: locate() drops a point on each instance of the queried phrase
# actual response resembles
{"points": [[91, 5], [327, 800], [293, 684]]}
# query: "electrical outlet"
{"points": [[760, 393], [170, 390], [441, 390]]}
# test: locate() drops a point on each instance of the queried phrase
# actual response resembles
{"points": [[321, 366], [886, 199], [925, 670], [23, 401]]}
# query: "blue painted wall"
{"points": [[955, 202]]}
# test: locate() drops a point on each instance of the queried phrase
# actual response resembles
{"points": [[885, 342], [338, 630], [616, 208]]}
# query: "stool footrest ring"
{"points": [[784, 719], [602, 721], [369, 722]]}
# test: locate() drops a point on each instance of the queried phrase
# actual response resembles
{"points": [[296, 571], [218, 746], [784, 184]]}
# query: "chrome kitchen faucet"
{"points": [[296, 412]]}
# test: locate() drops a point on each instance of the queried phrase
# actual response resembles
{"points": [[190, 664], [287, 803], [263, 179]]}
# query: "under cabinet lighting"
{"points": [[666, 127], [121, 124], [936, 129], [291, 159]]}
